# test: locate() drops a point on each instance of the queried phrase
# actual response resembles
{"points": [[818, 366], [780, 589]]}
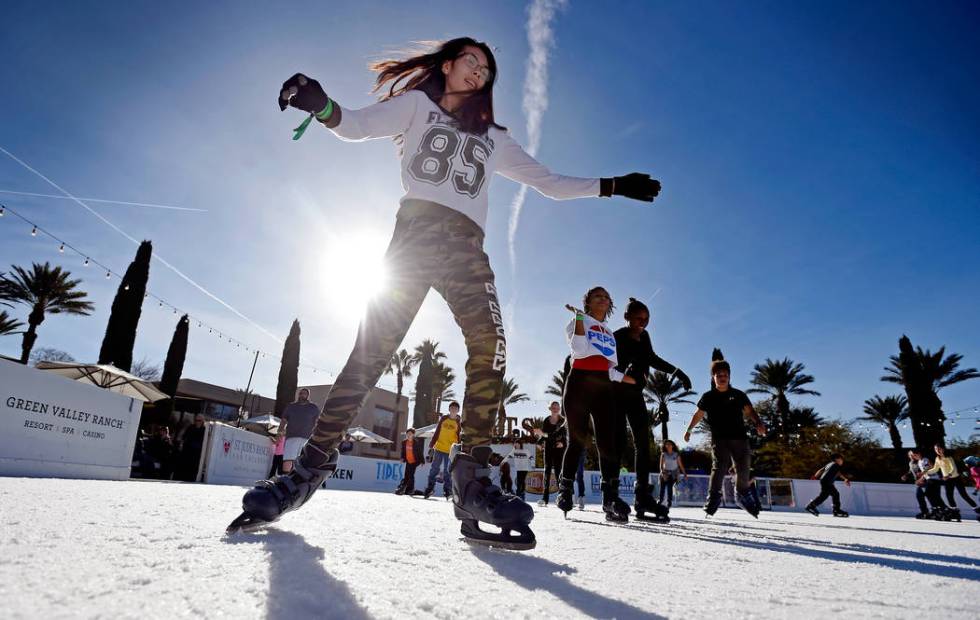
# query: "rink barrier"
{"points": [[51, 426]]}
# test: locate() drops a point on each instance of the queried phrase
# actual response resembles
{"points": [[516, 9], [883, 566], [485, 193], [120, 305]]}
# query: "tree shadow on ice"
{"points": [[830, 551], [534, 573], [299, 586]]}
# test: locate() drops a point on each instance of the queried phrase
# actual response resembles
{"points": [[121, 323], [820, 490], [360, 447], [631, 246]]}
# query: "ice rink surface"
{"points": [[87, 549]]}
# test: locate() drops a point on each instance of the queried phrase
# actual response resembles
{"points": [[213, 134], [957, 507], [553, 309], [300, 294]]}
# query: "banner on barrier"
{"points": [[236, 456], [52, 426]]}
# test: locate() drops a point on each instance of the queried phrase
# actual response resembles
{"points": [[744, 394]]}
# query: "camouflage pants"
{"points": [[432, 247]]}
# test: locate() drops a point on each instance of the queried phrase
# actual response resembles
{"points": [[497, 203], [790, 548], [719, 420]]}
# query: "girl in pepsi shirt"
{"points": [[588, 394]]}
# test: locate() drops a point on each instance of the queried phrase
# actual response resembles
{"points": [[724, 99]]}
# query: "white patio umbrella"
{"points": [[426, 431], [363, 435], [106, 377], [267, 423]]}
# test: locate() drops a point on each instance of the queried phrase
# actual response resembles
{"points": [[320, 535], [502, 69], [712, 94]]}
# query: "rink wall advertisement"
{"points": [[235, 456], [54, 427]]}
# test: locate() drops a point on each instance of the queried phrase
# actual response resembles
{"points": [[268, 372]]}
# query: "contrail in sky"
{"points": [[541, 38], [102, 200], [156, 256]]}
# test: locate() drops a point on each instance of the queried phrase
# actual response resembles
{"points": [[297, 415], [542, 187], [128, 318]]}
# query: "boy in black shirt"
{"points": [[828, 474], [723, 408]]}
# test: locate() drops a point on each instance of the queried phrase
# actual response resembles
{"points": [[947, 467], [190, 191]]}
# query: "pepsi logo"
{"points": [[601, 340]]}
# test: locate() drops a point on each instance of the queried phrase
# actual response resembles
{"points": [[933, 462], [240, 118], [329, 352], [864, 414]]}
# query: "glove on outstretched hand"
{"points": [[635, 185], [685, 380], [303, 93]]}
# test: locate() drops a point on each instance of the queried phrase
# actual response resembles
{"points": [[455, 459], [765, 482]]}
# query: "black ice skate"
{"points": [[429, 490], [476, 498], [748, 503], [616, 509], [401, 488], [953, 514], [840, 513], [270, 499], [647, 508], [711, 504], [812, 510], [565, 502]]}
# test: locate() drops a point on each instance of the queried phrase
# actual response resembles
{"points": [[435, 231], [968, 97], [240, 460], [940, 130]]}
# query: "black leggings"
{"points": [[588, 393], [631, 408], [552, 462], [957, 483]]}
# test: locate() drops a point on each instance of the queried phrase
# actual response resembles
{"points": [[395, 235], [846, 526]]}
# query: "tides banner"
{"points": [[54, 427]]}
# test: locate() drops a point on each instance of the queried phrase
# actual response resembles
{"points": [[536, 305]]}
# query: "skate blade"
{"points": [[499, 544], [474, 535], [246, 523], [649, 519]]}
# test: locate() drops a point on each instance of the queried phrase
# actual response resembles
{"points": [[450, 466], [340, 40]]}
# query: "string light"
{"points": [[35, 229]]}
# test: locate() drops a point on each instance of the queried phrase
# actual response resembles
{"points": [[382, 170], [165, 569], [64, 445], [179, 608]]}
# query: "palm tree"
{"points": [[425, 356], [940, 371], [889, 411], [509, 395], [923, 373], [557, 387], [47, 290], [8, 324], [664, 390], [442, 380], [400, 365], [779, 378]]}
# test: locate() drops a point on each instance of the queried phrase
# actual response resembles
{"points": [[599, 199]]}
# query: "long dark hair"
{"points": [[424, 72]]}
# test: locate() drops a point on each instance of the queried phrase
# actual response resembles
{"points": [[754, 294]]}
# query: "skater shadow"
{"points": [[875, 529], [767, 534], [830, 551], [299, 586], [534, 573]]}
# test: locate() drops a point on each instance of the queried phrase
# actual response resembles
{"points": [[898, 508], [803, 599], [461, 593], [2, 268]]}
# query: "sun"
{"points": [[353, 270]]}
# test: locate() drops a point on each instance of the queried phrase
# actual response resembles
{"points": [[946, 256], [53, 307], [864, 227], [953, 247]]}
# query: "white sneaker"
{"points": [[542, 503], [581, 502]]}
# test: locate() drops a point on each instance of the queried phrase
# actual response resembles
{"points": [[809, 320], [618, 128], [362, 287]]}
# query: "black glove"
{"points": [[685, 380], [303, 93], [635, 185], [428, 456]]}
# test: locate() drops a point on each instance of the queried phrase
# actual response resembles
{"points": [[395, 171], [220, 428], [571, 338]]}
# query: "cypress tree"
{"points": [[173, 367], [288, 370], [424, 402], [120, 332]]}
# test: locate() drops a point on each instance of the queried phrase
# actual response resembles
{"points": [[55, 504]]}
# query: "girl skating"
{"points": [[588, 395], [439, 106], [634, 352]]}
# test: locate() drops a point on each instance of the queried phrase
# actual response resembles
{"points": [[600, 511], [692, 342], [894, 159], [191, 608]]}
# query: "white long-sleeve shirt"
{"points": [[522, 459], [450, 167], [597, 341]]}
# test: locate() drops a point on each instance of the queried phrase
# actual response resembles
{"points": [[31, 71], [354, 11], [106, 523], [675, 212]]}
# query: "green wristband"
{"points": [[326, 112], [322, 115], [579, 317]]}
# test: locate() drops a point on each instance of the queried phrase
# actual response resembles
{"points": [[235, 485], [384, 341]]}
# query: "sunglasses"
{"points": [[472, 63]]}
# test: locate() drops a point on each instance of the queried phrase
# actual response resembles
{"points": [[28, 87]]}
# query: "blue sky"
{"points": [[820, 163]]}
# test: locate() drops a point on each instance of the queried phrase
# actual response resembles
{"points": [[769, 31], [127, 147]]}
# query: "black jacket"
{"points": [[419, 444]]}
